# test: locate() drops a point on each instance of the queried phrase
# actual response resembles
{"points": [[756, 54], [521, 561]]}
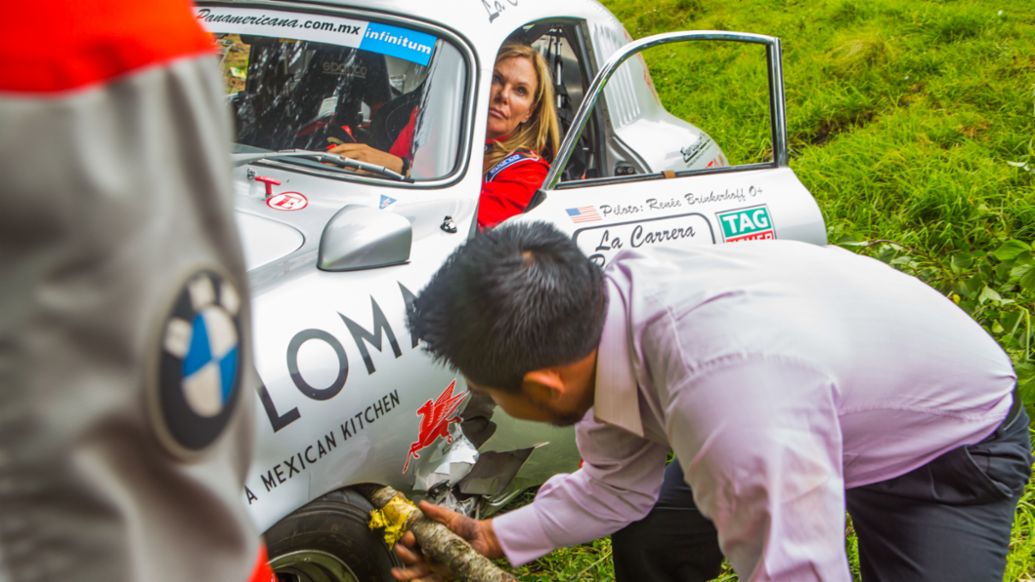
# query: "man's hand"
{"points": [[478, 533]]}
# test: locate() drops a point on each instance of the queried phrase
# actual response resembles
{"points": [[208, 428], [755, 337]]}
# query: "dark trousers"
{"points": [[948, 520]]}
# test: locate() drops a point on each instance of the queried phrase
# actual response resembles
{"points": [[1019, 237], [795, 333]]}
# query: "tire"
{"points": [[328, 541]]}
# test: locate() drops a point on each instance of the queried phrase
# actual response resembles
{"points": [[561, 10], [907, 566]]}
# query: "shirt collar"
{"points": [[616, 397]]}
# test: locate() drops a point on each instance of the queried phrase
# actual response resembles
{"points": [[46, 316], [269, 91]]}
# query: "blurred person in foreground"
{"points": [[125, 431], [791, 381]]}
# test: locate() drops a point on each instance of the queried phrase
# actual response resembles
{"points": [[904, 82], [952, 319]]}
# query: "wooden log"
{"points": [[398, 514]]}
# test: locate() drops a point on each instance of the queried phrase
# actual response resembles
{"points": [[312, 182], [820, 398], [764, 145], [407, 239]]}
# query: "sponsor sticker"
{"points": [[746, 224], [364, 338], [394, 41], [401, 43], [600, 243], [693, 151], [198, 377], [435, 419], [287, 201], [275, 24], [386, 201], [312, 452]]}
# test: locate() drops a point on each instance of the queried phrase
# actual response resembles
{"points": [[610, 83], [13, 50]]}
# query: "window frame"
{"points": [[468, 92]]}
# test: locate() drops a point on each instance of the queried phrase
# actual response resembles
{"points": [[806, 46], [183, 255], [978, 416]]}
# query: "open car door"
{"points": [[656, 190]]}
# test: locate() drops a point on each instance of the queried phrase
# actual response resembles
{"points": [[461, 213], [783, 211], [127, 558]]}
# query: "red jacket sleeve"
{"points": [[262, 572], [403, 143], [510, 190]]}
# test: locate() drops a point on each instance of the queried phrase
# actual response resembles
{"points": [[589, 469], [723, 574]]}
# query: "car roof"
{"points": [[486, 24]]}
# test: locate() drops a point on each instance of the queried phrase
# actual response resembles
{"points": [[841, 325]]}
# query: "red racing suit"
{"points": [[126, 398], [508, 186]]}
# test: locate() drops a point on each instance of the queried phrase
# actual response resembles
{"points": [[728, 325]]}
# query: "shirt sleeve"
{"points": [[617, 485], [510, 191], [760, 445]]}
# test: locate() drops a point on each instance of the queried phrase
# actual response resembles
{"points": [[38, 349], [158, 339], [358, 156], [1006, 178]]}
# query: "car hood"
{"points": [[266, 240]]}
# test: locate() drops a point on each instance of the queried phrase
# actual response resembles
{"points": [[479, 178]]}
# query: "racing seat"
{"points": [[556, 43], [279, 103], [357, 79], [570, 88], [285, 104], [392, 117]]}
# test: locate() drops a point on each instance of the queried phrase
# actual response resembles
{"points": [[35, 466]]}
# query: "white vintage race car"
{"points": [[336, 248]]}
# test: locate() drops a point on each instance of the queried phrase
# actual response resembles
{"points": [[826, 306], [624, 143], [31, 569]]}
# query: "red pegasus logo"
{"points": [[434, 422]]}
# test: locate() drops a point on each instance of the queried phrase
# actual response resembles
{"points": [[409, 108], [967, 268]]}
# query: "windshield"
{"points": [[299, 81]]}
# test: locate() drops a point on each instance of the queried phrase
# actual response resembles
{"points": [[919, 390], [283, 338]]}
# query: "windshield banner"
{"points": [[400, 43], [385, 39]]}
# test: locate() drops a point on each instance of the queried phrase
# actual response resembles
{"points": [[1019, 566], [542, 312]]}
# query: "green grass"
{"points": [[910, 122]]}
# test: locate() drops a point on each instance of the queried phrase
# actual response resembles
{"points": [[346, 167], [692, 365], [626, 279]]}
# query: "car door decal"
{"points": [[751, 223], [296, 463], [601, 243], [435, 418], [361, 337], [583, 214], [289, 201]]}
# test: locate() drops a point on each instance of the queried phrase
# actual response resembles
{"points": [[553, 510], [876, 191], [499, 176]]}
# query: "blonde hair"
{"points": [[541, 132]]}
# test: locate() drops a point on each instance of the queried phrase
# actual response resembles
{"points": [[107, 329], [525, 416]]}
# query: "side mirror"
{"points": [[360, 237]]}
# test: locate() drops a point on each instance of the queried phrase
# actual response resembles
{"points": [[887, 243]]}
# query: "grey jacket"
{"points": [[124, 428]]}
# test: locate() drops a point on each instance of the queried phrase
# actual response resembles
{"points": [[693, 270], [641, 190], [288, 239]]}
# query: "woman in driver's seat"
{"points": [[521, 136]]}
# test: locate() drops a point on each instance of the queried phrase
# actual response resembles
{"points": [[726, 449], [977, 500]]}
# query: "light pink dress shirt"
{"points": [[780, 373]]}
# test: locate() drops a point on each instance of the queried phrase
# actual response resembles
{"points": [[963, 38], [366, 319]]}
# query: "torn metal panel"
{"points": [[493, 472], [449, 463]]}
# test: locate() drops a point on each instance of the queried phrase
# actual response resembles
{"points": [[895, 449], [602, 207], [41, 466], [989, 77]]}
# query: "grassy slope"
{"points": [[910, 122]]}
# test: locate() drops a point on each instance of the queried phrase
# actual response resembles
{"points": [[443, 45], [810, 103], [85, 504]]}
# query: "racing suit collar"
{"points": [[491, 140]]}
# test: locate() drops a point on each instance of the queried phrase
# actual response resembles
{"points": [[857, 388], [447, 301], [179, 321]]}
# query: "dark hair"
{"points": [[513, 299]]}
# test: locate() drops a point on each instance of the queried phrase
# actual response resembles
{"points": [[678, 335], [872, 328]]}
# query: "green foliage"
{"points": [[1022, 540], [912, 124], [585, 563], [996, 287]]}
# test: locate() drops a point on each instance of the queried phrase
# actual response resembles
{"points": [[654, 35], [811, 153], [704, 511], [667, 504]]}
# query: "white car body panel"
{"points": [[343, 381]]}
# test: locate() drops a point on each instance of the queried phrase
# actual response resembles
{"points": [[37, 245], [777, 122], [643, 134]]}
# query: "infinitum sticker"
{"points": [[401, 43], [746, 224]]}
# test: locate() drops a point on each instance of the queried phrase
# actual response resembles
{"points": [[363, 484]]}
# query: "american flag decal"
{"points": [[583, 214]]}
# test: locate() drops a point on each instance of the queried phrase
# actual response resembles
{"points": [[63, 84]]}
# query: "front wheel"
{"points": [[328, 541]]}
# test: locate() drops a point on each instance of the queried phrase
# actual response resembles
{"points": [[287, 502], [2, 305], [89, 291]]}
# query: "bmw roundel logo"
{"points": [[199, 369]]}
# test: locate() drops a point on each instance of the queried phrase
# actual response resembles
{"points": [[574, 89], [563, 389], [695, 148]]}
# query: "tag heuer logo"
{"points": [[746, 224]]}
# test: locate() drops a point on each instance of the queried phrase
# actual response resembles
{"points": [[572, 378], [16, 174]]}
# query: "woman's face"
{"points": [[514, 84]]}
